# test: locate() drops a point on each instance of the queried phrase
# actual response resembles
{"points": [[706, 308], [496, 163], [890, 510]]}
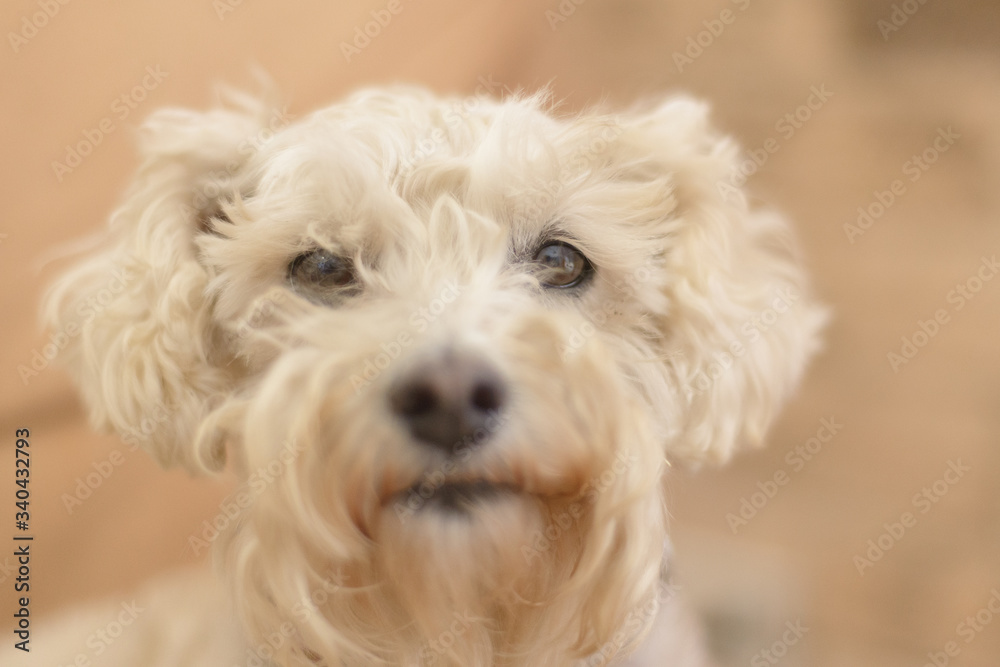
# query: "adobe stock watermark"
{"points": [[220, 181], [86, 310], [635, 621], [582, 159], [225, 7], [120, 109], [263, 653], [99, 641], [924, 501], [773, 654], [440, 645], [913, 169], [786, 127], [423, 491], [233, 505], [562, 12], [899, 16], [697, 44], [418, 322], [958, 297], [7, 568], [261, 312], [543, 540], [796, 458], [364, 34], [608, 309], [454, 115], [31, 24], [967, 630], [752, 330], [88, 484]]}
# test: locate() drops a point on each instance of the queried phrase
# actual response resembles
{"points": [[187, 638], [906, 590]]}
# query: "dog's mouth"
{"points": [[458, 496], [462, 496]]}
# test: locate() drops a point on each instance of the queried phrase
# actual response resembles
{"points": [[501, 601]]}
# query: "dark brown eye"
{"points": [[320, 270], [564, 265]]}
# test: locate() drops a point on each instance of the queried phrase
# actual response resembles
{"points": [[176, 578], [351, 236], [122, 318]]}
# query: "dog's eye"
{"points": [[564, 265], [321, 269]]}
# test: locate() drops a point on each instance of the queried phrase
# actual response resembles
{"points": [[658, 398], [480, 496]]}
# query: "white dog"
{"points": [[452, 347]]}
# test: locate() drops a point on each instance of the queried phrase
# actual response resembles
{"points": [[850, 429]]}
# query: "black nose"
{"points": [[446, 400]]}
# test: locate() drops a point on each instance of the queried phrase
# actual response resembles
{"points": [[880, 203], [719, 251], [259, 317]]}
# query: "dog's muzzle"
{"points": [[451, 401]]}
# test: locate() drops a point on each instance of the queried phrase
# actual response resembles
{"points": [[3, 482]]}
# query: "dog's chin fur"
{"points": [[535, 542]]}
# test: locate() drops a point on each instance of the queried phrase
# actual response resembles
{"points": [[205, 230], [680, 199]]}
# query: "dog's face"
{"points": [[450, 346]]}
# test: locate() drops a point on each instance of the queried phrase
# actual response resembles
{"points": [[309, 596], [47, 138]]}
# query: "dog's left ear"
{"points": [[134, 315], [743, 323]]}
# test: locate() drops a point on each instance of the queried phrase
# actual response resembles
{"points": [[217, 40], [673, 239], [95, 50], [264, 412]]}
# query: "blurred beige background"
{"points": [[889, 93]]}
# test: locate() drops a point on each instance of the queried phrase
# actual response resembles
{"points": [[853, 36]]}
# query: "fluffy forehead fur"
{"points": [[694, 325]]}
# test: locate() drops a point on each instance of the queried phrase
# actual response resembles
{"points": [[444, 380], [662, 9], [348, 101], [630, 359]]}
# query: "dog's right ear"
{"points": [[134, 314], [743, 322]]}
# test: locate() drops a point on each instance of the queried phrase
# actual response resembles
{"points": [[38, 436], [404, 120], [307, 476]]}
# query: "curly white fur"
{"points": [[696, 324]]}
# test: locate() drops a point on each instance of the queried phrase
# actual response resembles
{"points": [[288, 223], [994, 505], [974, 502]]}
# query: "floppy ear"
{"points": [[134, 313], [743, 323]]}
